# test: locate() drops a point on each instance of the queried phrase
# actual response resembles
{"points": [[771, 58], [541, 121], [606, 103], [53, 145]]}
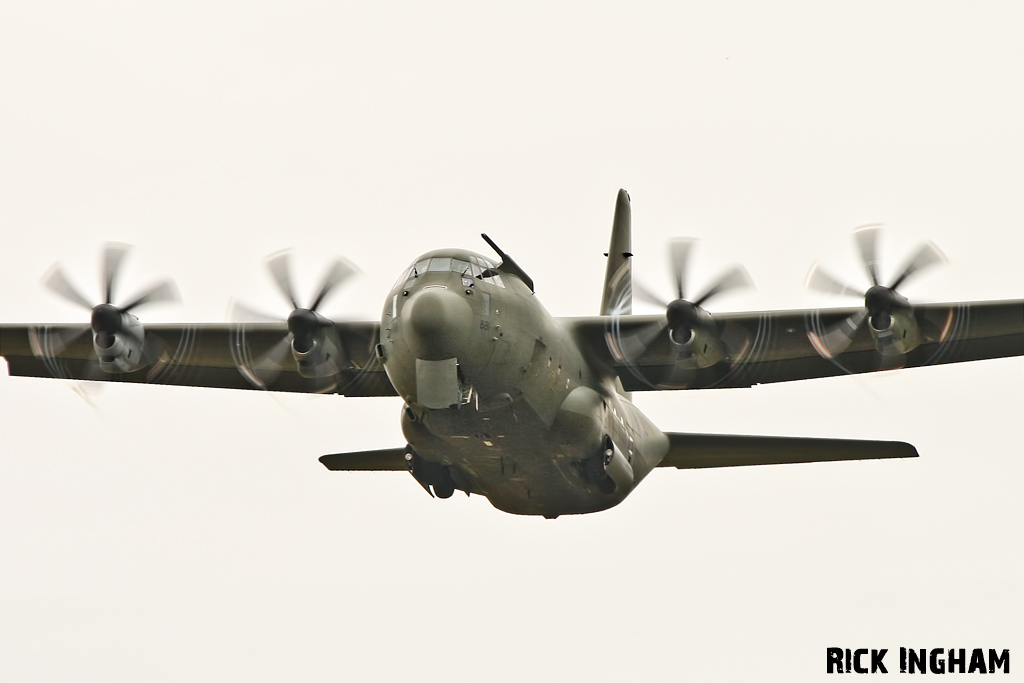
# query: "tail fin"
{"points": [[618, 276]]}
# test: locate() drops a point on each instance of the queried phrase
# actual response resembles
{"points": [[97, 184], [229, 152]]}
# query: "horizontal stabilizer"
{"points": [[384, 459], [692, 451]]}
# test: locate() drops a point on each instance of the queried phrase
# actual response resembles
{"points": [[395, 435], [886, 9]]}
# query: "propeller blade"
{"points": [[269, 365], [927, 255], [641, 292], [59, 284], [113, 254], [838, 337], [648, 334], [88, 391], [325, 384], [732, 279], [50, 343], [241, 313], [635, 343], [679, 255], [164, 291], [279, 265], [339, 271], [867, 243], [823, 282]]}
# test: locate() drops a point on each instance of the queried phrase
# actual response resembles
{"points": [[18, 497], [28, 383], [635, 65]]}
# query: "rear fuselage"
{"points": [[498, 394]]}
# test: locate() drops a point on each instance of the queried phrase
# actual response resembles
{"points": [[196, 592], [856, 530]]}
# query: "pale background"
{"points": [[169, 534]]}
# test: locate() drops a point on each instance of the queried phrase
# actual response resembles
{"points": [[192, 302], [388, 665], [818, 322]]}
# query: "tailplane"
{"points": [[694, 451]]}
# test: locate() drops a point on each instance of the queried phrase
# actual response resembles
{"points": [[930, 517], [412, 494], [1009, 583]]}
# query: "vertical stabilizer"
{"points": [[618, 276]]}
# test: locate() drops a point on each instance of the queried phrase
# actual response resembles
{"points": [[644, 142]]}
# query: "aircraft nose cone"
{"points": [[436, 323]]}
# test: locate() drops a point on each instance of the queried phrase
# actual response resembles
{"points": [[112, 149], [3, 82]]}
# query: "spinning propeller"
{"points": [[683, 317], [881, 302], [308, 330], [107, 319]]}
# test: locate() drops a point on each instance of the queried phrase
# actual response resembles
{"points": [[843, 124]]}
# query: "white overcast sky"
{"points": [[169, 534]]}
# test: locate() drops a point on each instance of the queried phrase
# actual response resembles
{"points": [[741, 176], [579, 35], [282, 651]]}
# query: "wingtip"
{"points": [[910, 449]]}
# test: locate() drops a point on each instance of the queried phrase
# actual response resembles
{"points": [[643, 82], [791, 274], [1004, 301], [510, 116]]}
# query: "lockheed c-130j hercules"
{"points": [[503, 400]]}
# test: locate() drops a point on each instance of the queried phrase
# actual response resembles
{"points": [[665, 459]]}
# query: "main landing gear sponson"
{"points": [[430, 475]]}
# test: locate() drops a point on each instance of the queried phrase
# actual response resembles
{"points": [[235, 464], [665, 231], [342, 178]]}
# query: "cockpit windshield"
{"points": [[476, 267]]}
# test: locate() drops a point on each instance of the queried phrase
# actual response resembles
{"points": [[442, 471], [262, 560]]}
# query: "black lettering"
{"points": [[997, 662], [955, 661], [847, 660], [977, 662], [935, 662], [876, 660], [856, 661], [835, 659], [903, 660], [918, 660]]}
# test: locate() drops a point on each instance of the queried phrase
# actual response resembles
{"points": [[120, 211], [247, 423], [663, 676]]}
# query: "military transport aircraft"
{"points": [[503, 400]]}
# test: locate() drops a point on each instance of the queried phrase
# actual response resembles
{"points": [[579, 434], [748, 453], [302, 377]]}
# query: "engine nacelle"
{"points": [[701, 349], [696, 335], [899, 333], [319, 359], [121, 351]]}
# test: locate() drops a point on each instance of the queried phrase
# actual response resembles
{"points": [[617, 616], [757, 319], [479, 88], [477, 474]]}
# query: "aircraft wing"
{"points": [[198, 355], [783, 346]]}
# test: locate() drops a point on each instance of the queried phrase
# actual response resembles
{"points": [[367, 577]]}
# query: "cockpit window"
{"points": [[476, 267], [492, 276], [412, 272], [440, 264], [487, 271]]}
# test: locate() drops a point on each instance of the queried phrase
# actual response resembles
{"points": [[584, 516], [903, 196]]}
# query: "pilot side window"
{"points": [[413, 272], [487, 272], [492, 276]]}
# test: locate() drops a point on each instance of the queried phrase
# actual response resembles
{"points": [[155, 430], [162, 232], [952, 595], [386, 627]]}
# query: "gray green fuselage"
{"points": [[498, 393]]}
